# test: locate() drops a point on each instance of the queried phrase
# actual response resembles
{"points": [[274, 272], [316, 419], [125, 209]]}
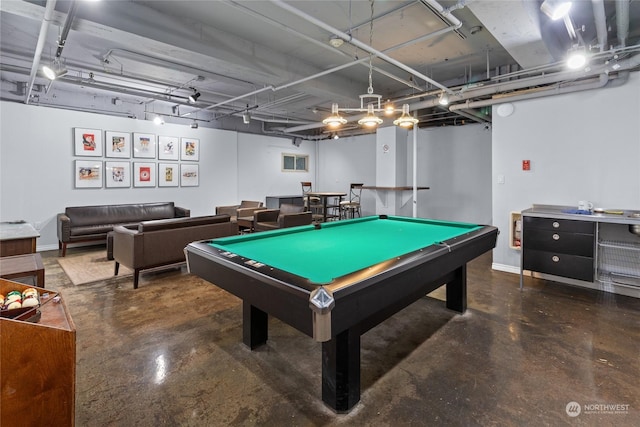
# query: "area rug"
{"points": [[91, 267]]}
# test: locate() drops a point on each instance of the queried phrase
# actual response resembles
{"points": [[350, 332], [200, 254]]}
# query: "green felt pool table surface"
{"points": [[341, 247]]}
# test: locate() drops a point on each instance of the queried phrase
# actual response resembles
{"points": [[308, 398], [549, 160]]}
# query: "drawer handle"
{"points": [[556, 224], [556, 236], [555, 258]]}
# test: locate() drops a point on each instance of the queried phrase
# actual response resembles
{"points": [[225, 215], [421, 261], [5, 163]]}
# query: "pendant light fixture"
{"points": [[370, 103]]}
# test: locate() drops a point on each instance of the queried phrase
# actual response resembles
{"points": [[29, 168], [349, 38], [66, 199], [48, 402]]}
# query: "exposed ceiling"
{"points": [[274, 60]]}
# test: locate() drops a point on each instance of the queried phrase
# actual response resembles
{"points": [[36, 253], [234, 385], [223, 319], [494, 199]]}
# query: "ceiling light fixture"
{"points": [[577, 57], [405, 120], [246, 117], [158, 120], [555, 9], [194, 96], [370, 102], [194, 125]]}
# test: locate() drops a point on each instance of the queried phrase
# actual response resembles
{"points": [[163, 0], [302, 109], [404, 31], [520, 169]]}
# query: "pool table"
{"points": [[335, 281]]}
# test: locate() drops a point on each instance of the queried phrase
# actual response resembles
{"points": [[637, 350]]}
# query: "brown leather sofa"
{"points": [[287, 216], [162, 242], [91, 223]]}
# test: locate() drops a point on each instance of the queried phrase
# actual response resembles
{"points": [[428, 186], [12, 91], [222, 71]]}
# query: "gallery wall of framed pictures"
{"points": [[114, 159]]}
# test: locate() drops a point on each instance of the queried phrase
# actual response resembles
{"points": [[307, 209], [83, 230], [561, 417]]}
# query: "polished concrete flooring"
{"points": [[171, 353]]}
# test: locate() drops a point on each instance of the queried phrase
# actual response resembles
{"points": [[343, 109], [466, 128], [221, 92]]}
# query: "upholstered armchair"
{"points": [[287, 216], [244, 209]]}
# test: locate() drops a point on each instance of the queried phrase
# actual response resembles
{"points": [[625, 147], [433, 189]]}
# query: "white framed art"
{"points": [[190, 149], [189, 175], [144, 174], [117, 174], [88, 173], [168, 147], [144, 145], [87, 142], [118, 144], [168, 174]]}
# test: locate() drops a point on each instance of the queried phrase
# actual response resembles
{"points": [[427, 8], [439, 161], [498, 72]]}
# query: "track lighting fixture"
{"points": [[194, 125], [54, 71], [246, 118], [158, 120], [194, 96]]}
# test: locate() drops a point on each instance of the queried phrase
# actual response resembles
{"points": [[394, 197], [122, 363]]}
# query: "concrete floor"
{"points": [[171, 353]]}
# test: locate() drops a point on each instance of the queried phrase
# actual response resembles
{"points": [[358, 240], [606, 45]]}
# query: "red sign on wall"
{"points": [[526, 165]]}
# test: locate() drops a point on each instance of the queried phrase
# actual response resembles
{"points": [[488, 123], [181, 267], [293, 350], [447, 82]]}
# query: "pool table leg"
{"points": [[255, 324], [457, 290], [341, 371]]}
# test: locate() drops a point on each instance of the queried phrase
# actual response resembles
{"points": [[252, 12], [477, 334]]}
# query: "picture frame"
{"points": [[88, 173], [87, 142], [168, 147], [117, 174], [189, 175], [118, 144], [190, 149], [144, 174], [168, 174], [144, 145]]}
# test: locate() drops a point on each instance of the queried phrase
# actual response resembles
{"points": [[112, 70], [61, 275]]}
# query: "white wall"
{"points": [[582, 146], [347, 160], [455, 162], [260, 166], [36, 167]]}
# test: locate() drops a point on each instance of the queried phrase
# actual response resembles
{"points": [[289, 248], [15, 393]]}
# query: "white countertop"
{"points": [[555, 211], [17, 230]]}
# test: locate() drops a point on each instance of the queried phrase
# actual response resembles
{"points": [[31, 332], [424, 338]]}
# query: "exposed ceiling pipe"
{"points": [[357, 43], [602, 80], [320, 44], [476, 116], [498, 88], [44, 28], [601, 23], [66, 27], [622, 19], [445, 13], [337, 68]]}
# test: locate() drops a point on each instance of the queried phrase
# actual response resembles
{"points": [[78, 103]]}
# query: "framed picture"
{"points": [[118, 144], [88, 173], [87, 142], [168, 147], [117, 174], [190, 149], [189, 175], [144, 145], [144, 174], [168, 174]]}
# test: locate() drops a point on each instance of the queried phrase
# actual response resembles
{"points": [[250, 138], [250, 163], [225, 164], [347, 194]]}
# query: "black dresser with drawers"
{"points": [[561, 247]]}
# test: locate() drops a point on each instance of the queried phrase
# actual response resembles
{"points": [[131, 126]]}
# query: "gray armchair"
{"points": [[287, 216]]}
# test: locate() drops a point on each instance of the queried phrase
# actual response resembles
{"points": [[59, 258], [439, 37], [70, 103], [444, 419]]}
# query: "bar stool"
{"points": [[349, 208], [310, 203]]}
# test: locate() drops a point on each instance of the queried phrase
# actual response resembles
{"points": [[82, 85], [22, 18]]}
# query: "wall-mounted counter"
{"points": [[597, 250], [387, 196]]}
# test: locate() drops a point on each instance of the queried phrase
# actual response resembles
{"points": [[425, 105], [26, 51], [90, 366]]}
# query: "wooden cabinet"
{"points": [[38, 364], [559, 246]]}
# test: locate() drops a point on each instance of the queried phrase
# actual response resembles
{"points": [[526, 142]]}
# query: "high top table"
{"points": [[324, 196], [17, 238]]}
